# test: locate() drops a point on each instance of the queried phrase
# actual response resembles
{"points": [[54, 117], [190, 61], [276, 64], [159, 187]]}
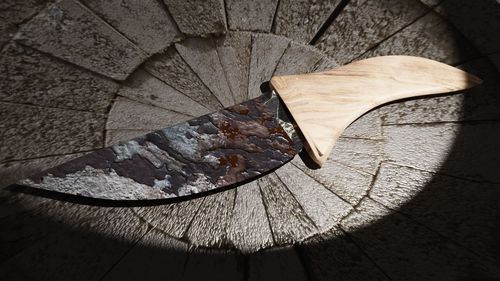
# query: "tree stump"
{"points": [[411, 191]]}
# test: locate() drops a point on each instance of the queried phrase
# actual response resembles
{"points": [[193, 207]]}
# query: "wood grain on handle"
{"points": [[323, 104]]}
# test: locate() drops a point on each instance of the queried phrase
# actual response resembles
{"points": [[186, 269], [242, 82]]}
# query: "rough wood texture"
{"points": [[362, 24], [173, 219], [450, 207], [147, 259], [96, 237], [64, 131], [114, 136], [209, 226], [13, 171], [413, 252], [266, 52], [145, 88], [127, 114], [315, 199], [202, 57], [298, 59], [289, 222], [323, 104], [250, 15], [479, 22], [234, 53], [30, 77], [146, 22], [198, 17], [347, 183], [448, 224], [68, 30], [300, 20], [430, 37], [276, 264], [320, 252], [13, 13], [174, 71], [249, 229], [216, 264], [431, 145]]}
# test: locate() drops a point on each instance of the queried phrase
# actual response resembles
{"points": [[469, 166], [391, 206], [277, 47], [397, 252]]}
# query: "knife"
{"points": [[244, 141]]}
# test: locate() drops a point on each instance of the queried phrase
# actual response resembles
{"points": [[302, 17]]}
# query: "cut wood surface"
{"points": [[411, 190], [323, 104]]}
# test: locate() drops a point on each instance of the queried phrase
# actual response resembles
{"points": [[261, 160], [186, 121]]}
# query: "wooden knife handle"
{"points": [[323, 104]]}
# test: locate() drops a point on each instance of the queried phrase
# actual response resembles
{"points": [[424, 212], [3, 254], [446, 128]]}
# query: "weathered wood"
{"points": [[407, 250], [250, 15], [30, 77], [363, 24], [198, 18], [448, 227], [323, 104], [298, 59], [173, 219], [127, 114], [322, 206], [326, 63], [321, 252], [431, 3], [213, 264], [495, 59], [202, 57], [276, 264], [430, 37], [349, 184], [31, 131], [65, 234], [149, 259], [146, 22], [234, 54], [450, 208], [11, 172], [289, 222], [70, 31], [209, 226], [13, 13], [145, 88], [173, 70], [249, 228], [368, 126], [428, 146], [361, 154], [477, 21], [266, 52], [300, 20], [116, 136]]}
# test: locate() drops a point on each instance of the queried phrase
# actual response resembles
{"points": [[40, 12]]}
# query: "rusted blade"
{"points": [[205, 153]]}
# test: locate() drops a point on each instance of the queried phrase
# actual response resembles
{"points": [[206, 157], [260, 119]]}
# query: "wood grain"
{"points": [[323, 104], [145, 88], [289, 221], [234, 53], [249, 228], [201, 55], [267, 50], [41, 239], [175, 72]]}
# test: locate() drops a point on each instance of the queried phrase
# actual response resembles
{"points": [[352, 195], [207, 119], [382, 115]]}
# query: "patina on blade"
{"points": [[205, 153]]}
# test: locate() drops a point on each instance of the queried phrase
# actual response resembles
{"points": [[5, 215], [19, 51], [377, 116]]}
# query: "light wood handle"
{"points": [[323, 104]]}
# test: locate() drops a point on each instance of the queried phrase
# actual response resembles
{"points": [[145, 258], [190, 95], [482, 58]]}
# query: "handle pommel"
{"points": [[323, 104]]}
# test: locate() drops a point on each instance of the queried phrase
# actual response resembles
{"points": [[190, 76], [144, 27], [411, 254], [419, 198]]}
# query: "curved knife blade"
{"points": [[202, 154]]}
